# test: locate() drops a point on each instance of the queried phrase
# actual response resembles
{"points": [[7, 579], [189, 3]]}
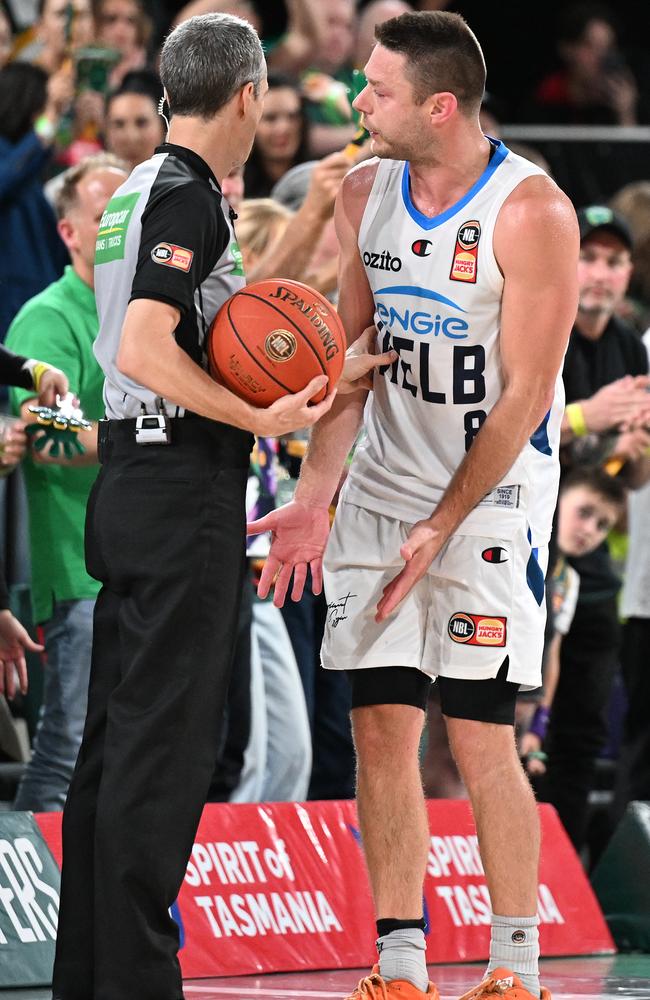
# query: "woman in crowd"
{"points": [[281, 137]]}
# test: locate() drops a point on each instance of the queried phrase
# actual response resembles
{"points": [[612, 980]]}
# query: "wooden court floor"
{"points": [[612, 978]]}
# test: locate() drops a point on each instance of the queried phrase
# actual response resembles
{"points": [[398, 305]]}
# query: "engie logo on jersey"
{"points": [[477, 630], [172, 256], [464, 266]]}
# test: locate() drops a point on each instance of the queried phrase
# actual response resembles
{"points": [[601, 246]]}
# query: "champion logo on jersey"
{"points": [[464, 266], [382, 261], [421, 248]]}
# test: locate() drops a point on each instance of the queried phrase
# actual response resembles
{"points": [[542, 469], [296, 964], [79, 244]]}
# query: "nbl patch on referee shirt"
{"points": [[477, 630], [172, 256], [464, 266]]}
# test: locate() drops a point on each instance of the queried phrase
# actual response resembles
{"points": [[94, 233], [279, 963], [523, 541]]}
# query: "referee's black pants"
{"points": [[165, 536]]}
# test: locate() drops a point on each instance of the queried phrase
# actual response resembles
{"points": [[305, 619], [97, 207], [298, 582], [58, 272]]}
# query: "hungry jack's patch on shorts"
{"points": [[477, 630]]}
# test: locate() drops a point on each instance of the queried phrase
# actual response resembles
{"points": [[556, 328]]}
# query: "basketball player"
{"points": [[165, 527], [464, 257]]}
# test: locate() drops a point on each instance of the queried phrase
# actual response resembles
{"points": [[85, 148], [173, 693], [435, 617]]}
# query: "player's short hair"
{"points": [[610, 488], [442, 54], [66, 196], [206, 60]]}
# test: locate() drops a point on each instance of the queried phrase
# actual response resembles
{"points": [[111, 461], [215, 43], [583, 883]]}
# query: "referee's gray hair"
{"points": [[206, 60]]}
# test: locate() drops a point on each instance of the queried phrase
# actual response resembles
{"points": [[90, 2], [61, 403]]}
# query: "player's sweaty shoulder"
{"points": [[539, 208], [356, 187]]}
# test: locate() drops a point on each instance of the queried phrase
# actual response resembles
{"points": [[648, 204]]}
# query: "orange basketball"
{"points": [[272, 337]]}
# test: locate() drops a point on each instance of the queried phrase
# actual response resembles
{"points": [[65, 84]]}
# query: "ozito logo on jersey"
{"points": [[383, 261], [421, 248], [495, 555], [464, 266], [477, 630]]}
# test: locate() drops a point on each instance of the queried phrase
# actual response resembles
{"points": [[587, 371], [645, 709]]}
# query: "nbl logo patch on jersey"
{"points": [[464, 266], [477, 630]]}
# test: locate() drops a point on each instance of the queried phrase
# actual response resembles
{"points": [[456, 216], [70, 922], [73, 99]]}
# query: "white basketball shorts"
{"points": [[481, 600]]}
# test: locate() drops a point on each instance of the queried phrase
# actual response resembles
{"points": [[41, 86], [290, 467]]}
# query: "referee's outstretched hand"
{"points": [[293, 412], [298, 538]]}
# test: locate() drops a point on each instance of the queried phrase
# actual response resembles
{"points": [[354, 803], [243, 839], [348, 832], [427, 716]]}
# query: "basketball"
{"points": [[272, 337]]}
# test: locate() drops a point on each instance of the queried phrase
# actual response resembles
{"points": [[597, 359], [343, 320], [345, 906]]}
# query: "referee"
{"points": [[165, 526]]}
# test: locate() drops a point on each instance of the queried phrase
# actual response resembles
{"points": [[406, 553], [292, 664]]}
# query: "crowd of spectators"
{"points": [[79, 109]]}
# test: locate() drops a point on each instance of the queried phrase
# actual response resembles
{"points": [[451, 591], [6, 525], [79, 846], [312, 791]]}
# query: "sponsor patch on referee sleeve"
{"points": [[477, 630], [171, 255]]}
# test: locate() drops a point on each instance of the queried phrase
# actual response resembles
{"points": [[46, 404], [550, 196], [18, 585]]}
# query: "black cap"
{"points": [[595, 217]]}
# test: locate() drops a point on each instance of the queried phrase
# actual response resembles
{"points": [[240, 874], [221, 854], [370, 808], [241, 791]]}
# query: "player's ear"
{"points": [[442, 106]]}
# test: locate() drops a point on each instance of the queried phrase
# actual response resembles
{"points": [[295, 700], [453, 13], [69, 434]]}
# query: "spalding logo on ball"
{"points": [[274, 336]]}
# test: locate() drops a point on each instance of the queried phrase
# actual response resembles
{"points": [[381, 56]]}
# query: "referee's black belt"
{"points": [[224, 444]]}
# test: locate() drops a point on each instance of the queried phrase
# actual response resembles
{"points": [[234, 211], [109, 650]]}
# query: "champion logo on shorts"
{"points": [[495, 554], [172, 256], [477, 630]]}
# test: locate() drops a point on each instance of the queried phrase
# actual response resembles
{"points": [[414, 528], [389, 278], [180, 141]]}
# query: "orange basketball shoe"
{"points": [[373, 987], [503, 983]]}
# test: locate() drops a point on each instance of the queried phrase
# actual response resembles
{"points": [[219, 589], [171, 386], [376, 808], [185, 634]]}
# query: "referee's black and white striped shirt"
{"points": [[167, 235]]}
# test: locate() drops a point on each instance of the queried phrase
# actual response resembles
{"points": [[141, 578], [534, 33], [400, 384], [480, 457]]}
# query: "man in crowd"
{"points": [[606, 383], [60, 325]]}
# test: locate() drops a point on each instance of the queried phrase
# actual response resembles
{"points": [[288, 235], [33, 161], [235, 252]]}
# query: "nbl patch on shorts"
{"points": [[172, 256], [464, 266], [477, 630]]}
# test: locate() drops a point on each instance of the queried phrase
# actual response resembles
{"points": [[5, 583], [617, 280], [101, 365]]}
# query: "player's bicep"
{"points": [[537, 244]]}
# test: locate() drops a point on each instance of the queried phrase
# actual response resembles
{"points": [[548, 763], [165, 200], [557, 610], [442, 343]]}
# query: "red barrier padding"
{"points": [[284, 887]]}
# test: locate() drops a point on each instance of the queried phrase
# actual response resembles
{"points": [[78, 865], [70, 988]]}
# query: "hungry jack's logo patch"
{"points": [[464, 266], [477, 630], [172, 256]]}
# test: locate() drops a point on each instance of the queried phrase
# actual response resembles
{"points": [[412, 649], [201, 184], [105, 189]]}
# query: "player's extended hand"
{"points": [[298, 538], [361, 361], [293, 412], [418, 551], [14, 640]]}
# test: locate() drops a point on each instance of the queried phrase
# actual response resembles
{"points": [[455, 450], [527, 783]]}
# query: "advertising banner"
{"points": [[284, 887]]}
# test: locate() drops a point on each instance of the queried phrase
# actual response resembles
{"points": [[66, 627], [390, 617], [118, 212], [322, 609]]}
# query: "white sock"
{"points": [[514, 944], [402, 955]]}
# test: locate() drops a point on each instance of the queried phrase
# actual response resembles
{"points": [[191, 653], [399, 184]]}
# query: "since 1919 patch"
{"points": [[464, 266]]}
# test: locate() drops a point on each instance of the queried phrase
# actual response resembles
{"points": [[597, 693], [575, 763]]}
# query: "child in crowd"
{"points": [[589, 505]]}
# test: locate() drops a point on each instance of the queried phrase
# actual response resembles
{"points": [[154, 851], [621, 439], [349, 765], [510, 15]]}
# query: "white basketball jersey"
{"points": [[437, 290]]}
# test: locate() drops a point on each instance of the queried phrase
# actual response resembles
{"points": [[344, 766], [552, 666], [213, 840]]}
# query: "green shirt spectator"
{"points": [[60, 325]]}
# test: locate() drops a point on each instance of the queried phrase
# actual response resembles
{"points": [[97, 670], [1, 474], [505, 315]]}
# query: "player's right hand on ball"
{"points": [[293, 412], [299, 535]]}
